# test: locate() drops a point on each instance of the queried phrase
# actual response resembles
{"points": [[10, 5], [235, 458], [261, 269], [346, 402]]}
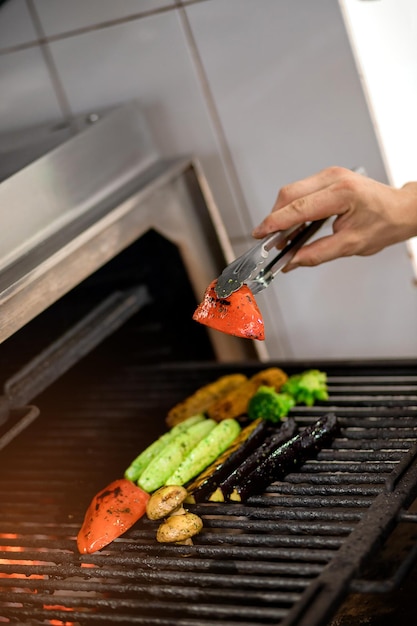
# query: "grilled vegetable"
{"points": [[307, 387], [137, 466], [111, 513], [288, 457], [238, 475], [179, 528], [235, 403], [269, 404], [238, 314], [206, 482], [165, 501], [171, 456], [203, 398], [205, 452]]}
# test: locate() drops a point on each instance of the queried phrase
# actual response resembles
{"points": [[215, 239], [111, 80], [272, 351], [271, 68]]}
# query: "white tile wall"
{"points": [[351, 308], [60, 16], [16, 26], [348, 309], [147, 60], [286, 89], [27, 95], [290, 102], [263, 93]]}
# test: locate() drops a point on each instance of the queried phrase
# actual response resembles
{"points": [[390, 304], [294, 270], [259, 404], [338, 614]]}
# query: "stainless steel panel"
{"points": [[72, 179], [77, 207]]}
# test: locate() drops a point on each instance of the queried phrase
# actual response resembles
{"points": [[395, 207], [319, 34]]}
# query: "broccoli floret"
{"points": [[307, 387], [269, 404]]}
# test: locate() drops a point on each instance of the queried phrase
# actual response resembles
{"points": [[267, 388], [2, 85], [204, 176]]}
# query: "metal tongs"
{"points": [[245, 269]]}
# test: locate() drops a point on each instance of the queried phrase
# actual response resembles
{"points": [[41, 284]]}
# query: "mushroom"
{"points": [[179, 528], [179, 525], [166, 501]]}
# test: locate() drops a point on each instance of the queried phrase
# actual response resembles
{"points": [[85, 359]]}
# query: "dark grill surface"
{"points": [[265, 562]]}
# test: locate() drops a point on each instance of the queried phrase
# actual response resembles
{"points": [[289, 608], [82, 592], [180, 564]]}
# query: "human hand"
{"points": [[369, 215]]}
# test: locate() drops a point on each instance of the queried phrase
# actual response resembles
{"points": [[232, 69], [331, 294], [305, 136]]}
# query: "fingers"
{"points": [[306, 200], [317, 205], [308, 185], [369, 215], [322, 250]]}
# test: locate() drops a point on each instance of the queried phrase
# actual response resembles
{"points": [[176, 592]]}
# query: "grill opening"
{"points": [[166, 331], [289, 556]]}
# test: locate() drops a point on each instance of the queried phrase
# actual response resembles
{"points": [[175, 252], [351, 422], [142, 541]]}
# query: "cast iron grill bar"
{"points": [[324, 594], [175, 579], [186, 594], [206, 617], [253, 564]]}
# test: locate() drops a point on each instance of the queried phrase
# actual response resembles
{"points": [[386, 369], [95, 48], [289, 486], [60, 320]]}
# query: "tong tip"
{"points": [[226, 286]]}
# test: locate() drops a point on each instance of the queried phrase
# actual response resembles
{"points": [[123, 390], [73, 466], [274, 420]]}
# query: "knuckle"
{"points": [[351, 245], [299, 207], [284, 195], [336, 172], [269, 221], [315, 257], [347, 184]]}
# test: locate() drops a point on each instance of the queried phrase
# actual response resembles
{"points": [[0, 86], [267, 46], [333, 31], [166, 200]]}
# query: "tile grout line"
{"points": [[65, 107], [21, 46], [63, 102], [87, 29], [57, 85], [214, 114], [228, 158]]}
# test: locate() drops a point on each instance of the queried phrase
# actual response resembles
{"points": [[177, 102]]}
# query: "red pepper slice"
{"points": [[238, 314], [111, 513]]}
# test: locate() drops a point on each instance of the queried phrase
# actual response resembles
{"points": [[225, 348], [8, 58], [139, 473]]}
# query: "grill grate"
{"points": [[265, 562]]}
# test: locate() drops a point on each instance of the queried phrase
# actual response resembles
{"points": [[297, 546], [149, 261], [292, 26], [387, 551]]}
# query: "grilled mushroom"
{"points": [[179, 528], [166, 501]]}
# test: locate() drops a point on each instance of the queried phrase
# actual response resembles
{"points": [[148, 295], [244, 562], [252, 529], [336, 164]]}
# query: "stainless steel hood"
{"points": [[72, 210]]}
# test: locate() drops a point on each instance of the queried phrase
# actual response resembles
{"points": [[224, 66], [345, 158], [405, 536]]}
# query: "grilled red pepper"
{"points": [[238, 314], [111, 513]]}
